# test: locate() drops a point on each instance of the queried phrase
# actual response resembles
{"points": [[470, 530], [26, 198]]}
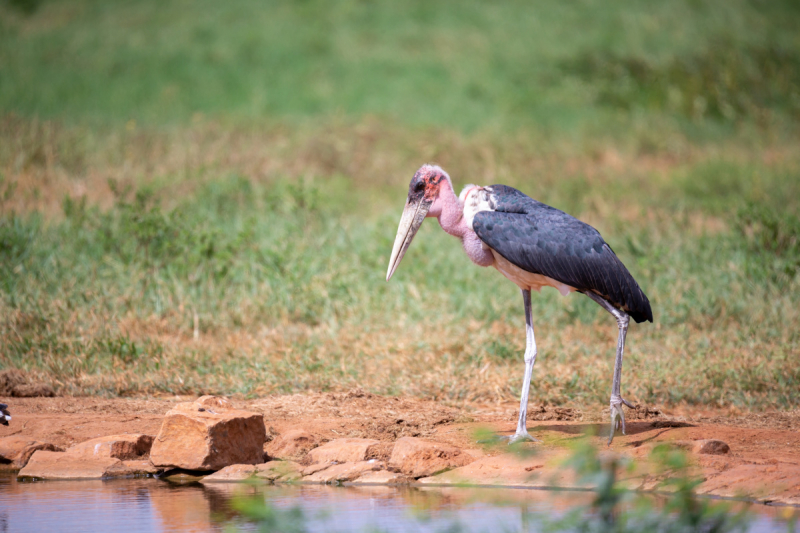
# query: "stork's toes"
{"points": [[617, 415], [519, 437]]}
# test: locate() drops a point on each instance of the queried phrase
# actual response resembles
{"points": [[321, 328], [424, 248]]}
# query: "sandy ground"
{"points": [[766, 445]]}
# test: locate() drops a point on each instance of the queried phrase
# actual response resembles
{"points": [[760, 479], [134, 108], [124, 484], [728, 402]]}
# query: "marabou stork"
{"points": [[5, 416], [534, 245]]}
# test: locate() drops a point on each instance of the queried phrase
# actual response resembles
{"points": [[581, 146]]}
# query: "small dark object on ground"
{"points": [[5, 416]]}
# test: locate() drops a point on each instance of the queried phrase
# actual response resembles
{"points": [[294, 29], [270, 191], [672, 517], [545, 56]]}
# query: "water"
{"points": [[150, 505]]}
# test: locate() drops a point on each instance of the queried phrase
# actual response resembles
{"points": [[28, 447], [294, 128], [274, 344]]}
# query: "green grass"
{"points": [[203, 197], [285, 277]]}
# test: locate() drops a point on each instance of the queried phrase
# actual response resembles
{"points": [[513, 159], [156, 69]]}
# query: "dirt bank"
{"points": [[763, 461]]}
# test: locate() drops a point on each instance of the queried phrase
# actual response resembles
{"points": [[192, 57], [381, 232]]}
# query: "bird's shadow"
{"points": [[634, 427]]}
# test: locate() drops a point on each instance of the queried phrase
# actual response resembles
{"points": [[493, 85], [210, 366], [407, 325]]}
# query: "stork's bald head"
{"points": [[422, 193], [426, 183]]}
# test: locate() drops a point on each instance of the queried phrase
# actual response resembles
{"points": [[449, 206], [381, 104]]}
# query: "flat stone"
{"points": [[279, 471], [292, 444], [271, 471], [231, 473], [382, 477], [344, 472], [61, 465], [125, 447], [419, 458], [208, 435], [342, 451], [132, 468], [15, 451]]}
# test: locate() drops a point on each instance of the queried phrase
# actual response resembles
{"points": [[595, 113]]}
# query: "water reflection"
{"points": [[390, 509], [145, 505]]}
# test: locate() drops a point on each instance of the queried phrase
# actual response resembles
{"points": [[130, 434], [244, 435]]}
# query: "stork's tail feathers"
{"points": [[638, 306], [633, 299], [5, 416], [623, 291]]}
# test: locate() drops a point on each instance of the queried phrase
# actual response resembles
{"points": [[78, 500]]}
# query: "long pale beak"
{"points": [[413, 215]]}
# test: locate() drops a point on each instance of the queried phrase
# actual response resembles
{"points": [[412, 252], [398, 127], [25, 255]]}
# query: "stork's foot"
{"points": [[617, 415], [519, 436]]}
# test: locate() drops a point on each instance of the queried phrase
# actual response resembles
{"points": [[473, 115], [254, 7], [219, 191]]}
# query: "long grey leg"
{"points": [[617, 414], [530, 360]]}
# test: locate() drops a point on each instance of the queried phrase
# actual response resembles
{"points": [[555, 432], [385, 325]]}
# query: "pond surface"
{"points": [[151, 505]]}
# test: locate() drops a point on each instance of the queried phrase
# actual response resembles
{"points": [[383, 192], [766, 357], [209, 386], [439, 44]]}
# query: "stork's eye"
{"points": [[419, 186]]}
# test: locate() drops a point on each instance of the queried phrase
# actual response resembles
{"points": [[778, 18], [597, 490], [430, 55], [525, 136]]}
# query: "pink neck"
{"points": [[449, 211]]}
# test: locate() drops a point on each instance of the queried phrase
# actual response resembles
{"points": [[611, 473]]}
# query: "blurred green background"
{"points": [[202, 196], [561, 66]]}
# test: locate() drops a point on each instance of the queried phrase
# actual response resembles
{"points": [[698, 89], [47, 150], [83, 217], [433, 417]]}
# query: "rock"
{"points": [[231, 473], [791, 499], [208, 435], [271, 471], [15, 451], [125, 447], [418, 458], [293, 444], [114, 456], [344, 472], [341, 451], [313, 469], [381, 451], [382, 477], [61, 465], [213, 402], [133, 468], [711, 447], [704, 446], [278, 471]]}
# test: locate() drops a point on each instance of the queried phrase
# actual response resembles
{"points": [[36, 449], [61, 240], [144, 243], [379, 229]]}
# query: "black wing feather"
{"points": [[543, 240]]}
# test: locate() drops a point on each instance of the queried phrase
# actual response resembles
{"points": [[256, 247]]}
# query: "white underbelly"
{"points": [[527, 280]]}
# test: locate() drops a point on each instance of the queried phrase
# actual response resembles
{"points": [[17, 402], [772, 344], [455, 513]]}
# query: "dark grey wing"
{"points": [[5, 416], [543, 240]]}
